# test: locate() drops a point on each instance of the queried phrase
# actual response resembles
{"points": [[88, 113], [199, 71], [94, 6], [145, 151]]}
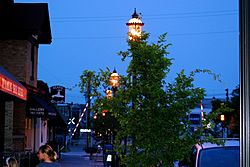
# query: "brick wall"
{"points": [[8, 126], [15, 57], [19, 126], [2, 106]]}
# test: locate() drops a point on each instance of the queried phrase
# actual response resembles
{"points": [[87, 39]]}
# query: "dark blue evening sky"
{"points": [[88, 34]]}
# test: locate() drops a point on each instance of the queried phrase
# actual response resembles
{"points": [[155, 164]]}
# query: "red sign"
{"points": [[13, 88]]}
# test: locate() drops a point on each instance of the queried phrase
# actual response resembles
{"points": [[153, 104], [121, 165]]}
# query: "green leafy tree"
{"points": [[235, 117], [231, 110], [105, 127], [93, 86], [155, 116], [152, 114]]}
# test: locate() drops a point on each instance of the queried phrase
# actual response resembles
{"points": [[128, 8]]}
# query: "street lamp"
{"points": [[135, 26], [222, 119], [114, 80], [109, 93], [114, 83]]}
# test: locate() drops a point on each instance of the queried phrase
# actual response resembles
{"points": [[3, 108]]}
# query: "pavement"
{"points": [[77, 157]]}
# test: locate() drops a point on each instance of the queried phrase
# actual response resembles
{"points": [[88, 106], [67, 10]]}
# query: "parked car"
{"points": [[216, 155]]}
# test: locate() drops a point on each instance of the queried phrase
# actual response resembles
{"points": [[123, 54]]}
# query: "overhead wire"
{"points": [[153, 16], [123, 37], [55, 77], [146, 17]]}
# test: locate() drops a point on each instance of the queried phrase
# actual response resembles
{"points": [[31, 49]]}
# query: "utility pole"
{"points": [[227, 98], [88, 88]]}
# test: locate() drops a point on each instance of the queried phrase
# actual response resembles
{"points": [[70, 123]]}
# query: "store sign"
{"points": [[38, 107], [57, 94], [11, 87], [37, 111], [85, 130]]}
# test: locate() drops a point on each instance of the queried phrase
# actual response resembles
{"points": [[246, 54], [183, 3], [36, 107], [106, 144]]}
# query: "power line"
{"points": [[55, 77], [166, 14], [191, 13], [122, 37], [77, 37], [154, 16], [185, 16], [205, 33]]}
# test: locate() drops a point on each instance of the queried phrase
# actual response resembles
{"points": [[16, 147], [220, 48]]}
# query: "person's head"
{"points": [[46, 153], [11, 162]]}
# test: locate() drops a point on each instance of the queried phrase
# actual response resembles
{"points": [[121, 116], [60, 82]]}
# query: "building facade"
{"points": [[24, 27], [12, 93]]}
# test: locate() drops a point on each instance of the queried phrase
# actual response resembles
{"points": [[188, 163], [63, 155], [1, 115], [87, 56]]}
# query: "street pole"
{"points": [[227, 97], [87, 110], [114, 83], [134, 35]]}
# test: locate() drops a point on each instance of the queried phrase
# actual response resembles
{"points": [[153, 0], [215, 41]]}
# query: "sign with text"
{"points": [[11, 87], [85, 130], [57, 94]]}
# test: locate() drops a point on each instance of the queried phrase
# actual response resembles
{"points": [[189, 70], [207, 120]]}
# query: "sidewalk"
{"points": [[77, 157]]}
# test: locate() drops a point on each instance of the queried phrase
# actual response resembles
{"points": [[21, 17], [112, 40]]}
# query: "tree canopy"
{"points": [[152, 115]]}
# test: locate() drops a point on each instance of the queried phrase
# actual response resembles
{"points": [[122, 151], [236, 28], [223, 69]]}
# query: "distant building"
{"points": [[71, 114]]}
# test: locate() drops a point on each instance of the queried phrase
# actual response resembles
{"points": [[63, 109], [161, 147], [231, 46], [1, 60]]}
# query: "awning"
{"points": [[10, 85], [37, 107]]}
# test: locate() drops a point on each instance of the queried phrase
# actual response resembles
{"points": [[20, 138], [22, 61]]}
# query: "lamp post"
{"points": [[109, 93], [114, 83], [222, 119], [135, 27], [114, 80], [134, 34]]}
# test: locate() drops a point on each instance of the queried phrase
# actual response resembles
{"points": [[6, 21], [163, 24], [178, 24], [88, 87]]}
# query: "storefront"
{"points": [[38, 112], [11, 86], [12, 92]]}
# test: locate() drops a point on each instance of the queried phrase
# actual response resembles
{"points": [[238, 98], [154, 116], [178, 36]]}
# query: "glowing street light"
{"points": [[104, 112], [109, 93], [114, 80], [95, 116], [222, 117], [135, 26]]}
